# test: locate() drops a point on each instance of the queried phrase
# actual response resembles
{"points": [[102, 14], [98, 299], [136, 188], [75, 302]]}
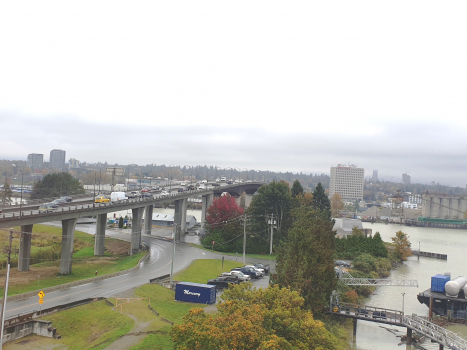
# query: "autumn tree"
{"points": [[297, 189], [55, 185], [305, 261], [321, 200], [402, 245], [223, 209], [337, 204], [250, 319]]}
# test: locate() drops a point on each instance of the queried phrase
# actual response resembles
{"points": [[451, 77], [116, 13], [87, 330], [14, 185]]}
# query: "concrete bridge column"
{"points": [[25, 248], [180, 213], [204, 207], [99, 238], [441, 347], [136, 226], [68, 237], [354, 327], [148, 219], [183, 226]]}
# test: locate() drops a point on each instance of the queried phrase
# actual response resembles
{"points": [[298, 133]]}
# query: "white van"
{"points": [[223, 179], [117, 196]]}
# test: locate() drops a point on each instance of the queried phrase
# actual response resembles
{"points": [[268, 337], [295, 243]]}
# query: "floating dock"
{"points": [[444, 305]]}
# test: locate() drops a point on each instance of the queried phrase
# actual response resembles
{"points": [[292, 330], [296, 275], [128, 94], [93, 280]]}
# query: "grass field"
{"points": [[202, 270]]}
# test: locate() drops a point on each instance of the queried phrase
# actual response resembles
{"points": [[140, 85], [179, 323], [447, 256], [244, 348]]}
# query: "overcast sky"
{"points": [[266, 85]]}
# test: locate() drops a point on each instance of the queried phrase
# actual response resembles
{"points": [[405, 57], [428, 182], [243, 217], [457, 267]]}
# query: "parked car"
{"points": [[341, 263], [66, 199], [180, 190], [230, 277], [259, 272], [247, 271], [101, 199], [221, 282], [266, 268], [241, 275]]}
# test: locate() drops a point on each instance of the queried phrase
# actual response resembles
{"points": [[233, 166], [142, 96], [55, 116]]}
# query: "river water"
{"points": [[445, 241]]}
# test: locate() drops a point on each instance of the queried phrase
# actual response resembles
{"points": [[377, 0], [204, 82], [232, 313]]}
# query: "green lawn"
{"points": [[258, 256], [92, 326], [200, 271]]}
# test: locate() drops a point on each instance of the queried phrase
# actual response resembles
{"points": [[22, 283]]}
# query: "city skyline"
{"points": [[187, 85]]}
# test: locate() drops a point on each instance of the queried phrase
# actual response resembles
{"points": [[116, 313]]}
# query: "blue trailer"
{"points": [[195, 293]]}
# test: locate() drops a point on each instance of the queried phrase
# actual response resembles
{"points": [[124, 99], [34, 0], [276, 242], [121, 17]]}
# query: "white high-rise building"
{"points": [[348, 181]]}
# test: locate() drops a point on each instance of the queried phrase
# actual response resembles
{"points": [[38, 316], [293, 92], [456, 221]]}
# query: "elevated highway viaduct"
{"points": [[69, 215]]}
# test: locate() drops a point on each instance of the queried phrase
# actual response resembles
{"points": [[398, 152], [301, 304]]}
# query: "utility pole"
{"points": [[272, 222], [5, 291], [244, 239]]}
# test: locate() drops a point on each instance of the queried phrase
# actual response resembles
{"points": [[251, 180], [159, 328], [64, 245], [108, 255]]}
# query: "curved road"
{"points": [[156, 263]]}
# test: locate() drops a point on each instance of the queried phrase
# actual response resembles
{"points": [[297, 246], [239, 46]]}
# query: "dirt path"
{"points": [[132, 338]]}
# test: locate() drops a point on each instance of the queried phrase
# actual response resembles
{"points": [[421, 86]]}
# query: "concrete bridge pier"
{"points": [[206, 203], [136, 226], [25, 248], [354, 321], [99, 238], [441, 347], [180, 219], [68, 237], [148, 219]]}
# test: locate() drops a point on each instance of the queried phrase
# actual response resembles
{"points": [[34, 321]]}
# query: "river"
{"points": [[446, 241]]}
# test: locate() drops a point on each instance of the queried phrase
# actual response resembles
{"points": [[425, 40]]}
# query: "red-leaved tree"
{"points": [[223, 209]]}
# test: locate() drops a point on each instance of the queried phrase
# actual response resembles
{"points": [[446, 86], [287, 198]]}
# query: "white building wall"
{"points": [[348, 181]]}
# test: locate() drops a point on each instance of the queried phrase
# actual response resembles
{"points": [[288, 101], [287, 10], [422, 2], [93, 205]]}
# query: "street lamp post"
{"points": [[403, 297], [173, 256]]}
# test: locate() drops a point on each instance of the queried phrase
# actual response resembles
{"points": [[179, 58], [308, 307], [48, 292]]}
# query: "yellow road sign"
{"points": [[41, 301], [41, 294]]}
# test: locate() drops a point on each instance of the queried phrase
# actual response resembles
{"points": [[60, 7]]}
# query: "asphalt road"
{"points": [[157, 263]]}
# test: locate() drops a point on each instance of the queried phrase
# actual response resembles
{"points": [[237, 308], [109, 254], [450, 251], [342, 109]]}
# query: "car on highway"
{"points": [[146, 189], [164, 193], [218, 180], [155, 188], [58, 201], [52, 205], [133, 194], [230, 182], [146, 195], [183, 183], [66, 199], [204, 181], [45, 209], [221, 282], [215, 184], [180, 190], [341, 263], [223, 179], [190, 188], [236, 182], [202, 187], [101, 199]]}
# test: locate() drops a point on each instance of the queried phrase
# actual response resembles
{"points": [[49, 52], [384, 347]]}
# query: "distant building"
{"points": [[415, 198], [57, 159], [344, 226], [35, 161], [74, 163], [159, 219], [348, 181], [374, 178], [406, 179]]}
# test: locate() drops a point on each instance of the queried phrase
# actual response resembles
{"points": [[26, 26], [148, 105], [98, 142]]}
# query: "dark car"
{"points": [[181, 190], [230, 182], [146, 194], [247, 271], [51, 205], [66, 199], [341, 263], [190, 188], [264, 267], [215, 184], [222, 282]]}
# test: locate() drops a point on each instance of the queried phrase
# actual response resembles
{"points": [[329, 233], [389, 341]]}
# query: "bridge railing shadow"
{"points": [[371, 313]]}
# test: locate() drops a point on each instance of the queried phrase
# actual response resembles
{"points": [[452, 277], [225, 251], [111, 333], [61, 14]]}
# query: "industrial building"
{"points": [[348, 181], [443, 206]]}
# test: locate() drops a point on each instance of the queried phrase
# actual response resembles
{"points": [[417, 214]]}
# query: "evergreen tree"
{"points": [[320, 200], [56, 185], [6, 194], [297, 189], [305, 261], [120, 222]]}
